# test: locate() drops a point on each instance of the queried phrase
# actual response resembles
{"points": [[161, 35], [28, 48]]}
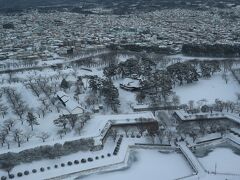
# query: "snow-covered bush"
{"points": [[26, 172], [34, 170], [83, 160], [3, 178], [42, 169], [69, 163], [11, 176], [19, 174], [90, 159], [76, 162]]}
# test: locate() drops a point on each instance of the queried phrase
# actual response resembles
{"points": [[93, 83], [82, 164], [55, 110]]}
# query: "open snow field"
{"points": [[209, 89], [225, 159], [150, 164]]}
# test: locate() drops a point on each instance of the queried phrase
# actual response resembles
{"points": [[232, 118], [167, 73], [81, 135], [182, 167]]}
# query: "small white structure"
{"points": [[130, 84], [71, 106]]}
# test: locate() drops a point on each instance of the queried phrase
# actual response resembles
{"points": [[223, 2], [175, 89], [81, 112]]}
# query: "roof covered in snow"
{"points": [[71, 105]]}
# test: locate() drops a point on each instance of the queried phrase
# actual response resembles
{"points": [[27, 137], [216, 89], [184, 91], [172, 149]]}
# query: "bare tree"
{"points": [[8, 142], [175, 100], [18, 105], [33, 86], [43, 136], [140, 126], [18, 136], [169, 135], [62, 132], [126, 130], [3, 137], [225, 77], [191, 104], [9, 123], [72, 119], [78, 128], [28, 135], [3, 110], [194, 135], [113, 134], [160, 135]]}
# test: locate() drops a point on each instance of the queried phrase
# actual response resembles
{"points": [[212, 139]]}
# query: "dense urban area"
{"points": [[120, 90]]}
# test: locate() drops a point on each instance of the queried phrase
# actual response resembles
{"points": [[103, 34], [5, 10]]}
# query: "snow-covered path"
{"points": [[192, 159]]}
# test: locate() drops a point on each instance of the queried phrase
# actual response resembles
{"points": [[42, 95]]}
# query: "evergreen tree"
{"points": [[32, 120], [64, 84], [111, 94], [61, 122]]}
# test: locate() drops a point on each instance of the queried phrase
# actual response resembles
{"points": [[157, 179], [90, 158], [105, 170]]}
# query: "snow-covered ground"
{"points": [[209, 89], [225, 160], [150, 164]]}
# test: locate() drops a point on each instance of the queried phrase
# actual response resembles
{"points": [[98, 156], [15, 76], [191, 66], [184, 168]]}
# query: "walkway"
{"points": [[192, 159]]}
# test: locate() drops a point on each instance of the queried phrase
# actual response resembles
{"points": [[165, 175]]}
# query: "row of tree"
{"points": [[211, 50]]}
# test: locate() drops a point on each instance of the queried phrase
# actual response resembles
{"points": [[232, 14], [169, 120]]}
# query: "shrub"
{"points": [[48, 168], [55, 166], [76, 162], [96, 157], [11, 176], [26, 172], [42, 169], [62, 164], [114, 153], [138, 136], [102, 156], [19, 174], [90, 159], [83, 161], [108, 154], [69, 163], [34, 170], [3, 178]]}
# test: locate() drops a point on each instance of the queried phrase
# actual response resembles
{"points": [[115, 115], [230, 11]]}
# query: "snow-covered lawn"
{"points": [[150, 164], [225, 159], [209, 89]]}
